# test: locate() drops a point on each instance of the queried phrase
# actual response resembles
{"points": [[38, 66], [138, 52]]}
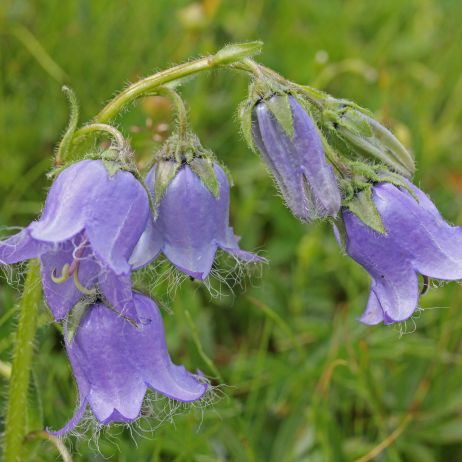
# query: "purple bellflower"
{"points": [[298, 163], [89, 227], [114, 364], [192, 223], [416, 240]]}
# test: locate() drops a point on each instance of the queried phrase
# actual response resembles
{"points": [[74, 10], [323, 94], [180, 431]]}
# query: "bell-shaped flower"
{"points": [[90, 225], [191, 224], [296, 160], [114, 363], [416, 240]]}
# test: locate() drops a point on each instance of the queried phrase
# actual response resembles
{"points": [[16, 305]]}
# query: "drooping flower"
{"points": [[114, 363], [89, 227], [297, 160], [416, 240], [191, 225]]}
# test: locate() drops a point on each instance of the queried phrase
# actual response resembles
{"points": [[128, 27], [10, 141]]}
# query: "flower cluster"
{"points": [[101, 222], [97, 227], [380, 218]]}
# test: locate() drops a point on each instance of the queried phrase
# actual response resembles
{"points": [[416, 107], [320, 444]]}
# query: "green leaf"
{"points": [[364, 208]]}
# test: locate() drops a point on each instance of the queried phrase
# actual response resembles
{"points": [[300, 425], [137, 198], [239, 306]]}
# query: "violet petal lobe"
{"points": [[394, 281], [67, 202], [114, 363], [116, 220], [298, 164], [417, 240], [19, 247]]}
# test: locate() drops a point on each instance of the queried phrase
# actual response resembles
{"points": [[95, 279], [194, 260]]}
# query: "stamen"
{"points": [[65, 275]]}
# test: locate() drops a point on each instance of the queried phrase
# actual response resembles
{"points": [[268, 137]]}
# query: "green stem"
{"points": [[180, 108], [109, 129], [19, 383], [228, 55], [66, 142], [149, 84]]}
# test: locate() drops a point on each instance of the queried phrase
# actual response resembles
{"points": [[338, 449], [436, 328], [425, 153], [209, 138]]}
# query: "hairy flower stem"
{"points": [[149, 84], [109, 129], [19, 383], [229, 55]]}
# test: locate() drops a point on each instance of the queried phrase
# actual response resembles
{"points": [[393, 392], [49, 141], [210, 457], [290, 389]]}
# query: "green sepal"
{"points": [[352, 121], [279, 105], [111, 166], [342, 234], [74, 318], [164, 174], [245, 118], [386, 176], [373, 149], [203, 168], [364, 208], [393, 146]]}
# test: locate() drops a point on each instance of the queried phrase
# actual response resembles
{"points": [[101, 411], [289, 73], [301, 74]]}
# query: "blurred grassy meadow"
{"points": [[304, 380]]}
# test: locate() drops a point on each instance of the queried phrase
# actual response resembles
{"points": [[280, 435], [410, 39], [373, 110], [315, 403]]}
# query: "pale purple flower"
{"points": [[191, 225], [298, 163], [89, 227], [417, 240], [114, 364]]}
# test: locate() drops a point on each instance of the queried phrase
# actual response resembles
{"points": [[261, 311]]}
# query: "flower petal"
{"points": [[116, 219], [231, 246], [19, 247], [191, 221], [66, 204], [148, 247], [149, 353], [434, 247], [114, 362], [395, 282], [118, 292], [373, 313], [98, 354]]}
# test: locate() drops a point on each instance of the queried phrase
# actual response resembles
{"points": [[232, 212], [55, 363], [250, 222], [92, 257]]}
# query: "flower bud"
{"points": [[191, 195], [366, 137], [290, 144]]}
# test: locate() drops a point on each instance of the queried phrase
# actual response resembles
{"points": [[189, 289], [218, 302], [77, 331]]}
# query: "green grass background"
{"points": [[304, 380]]}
